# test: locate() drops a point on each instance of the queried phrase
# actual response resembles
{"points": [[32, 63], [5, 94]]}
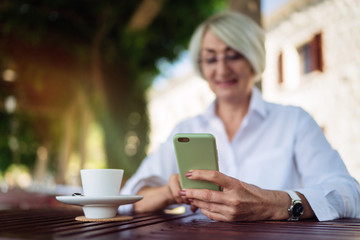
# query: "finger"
{"points": [[213, 176], [175, 189], [193, 208], [216, 211], [210, 207], [214, 216], [204, 195], [186, 200]]}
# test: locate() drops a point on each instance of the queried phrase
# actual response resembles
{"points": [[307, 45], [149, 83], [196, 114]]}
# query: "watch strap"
{"points": [[295, 199], [293, 195]]}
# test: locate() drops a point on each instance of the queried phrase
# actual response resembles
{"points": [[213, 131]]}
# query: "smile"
{"points": [[226, 83]]}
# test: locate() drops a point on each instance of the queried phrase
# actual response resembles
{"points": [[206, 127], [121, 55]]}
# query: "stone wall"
{"points": [[332, 97]]}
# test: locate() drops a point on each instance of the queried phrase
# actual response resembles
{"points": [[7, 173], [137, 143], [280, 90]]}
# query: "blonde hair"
{"points": [[238, 32]]}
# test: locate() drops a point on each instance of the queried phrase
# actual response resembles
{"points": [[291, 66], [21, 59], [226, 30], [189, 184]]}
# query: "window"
{"points": [[280, 69], [311, 55]]}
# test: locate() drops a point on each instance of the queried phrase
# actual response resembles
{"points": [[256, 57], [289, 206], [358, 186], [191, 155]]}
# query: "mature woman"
{"points": [[274, 160]]}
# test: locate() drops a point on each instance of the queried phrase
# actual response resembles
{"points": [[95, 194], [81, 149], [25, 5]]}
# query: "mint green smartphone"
{"points": [[196, 151]]}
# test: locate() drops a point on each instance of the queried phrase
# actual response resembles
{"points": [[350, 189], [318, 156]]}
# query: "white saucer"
{"points": [[103, 200]]}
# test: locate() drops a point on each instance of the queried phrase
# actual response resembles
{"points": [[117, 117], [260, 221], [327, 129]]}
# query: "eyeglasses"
{"points": [[229, 58]]}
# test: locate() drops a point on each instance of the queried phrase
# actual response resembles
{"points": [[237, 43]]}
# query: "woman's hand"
{"points": [[158, 198], [238, 201]]}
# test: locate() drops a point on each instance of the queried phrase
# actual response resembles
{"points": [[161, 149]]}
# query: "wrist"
{"points": [[280, 204], [167, 195], [155, 198]]}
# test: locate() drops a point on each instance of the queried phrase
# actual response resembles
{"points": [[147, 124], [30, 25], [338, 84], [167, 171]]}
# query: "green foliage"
{"points": [[72, 25], [168, 35], [18, 141], [5, 152], [52, 44]]}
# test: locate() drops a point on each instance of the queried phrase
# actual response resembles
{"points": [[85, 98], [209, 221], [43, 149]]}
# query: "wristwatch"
{"points": [[296, 208]]}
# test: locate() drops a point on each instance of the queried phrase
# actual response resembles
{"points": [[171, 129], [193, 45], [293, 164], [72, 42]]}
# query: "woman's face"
{"points": [[228, 72]]}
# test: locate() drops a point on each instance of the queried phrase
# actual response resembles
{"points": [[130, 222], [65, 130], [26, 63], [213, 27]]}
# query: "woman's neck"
{"points": [[232, 114]]}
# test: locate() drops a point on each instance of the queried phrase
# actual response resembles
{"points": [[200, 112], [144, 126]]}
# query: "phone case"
{"points": [[195, 151]]}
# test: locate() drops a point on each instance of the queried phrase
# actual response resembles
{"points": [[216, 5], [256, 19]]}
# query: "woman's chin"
{"points": [[226, 97]]}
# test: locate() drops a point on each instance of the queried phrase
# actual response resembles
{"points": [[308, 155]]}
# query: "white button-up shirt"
{"points": [[276, 147]]}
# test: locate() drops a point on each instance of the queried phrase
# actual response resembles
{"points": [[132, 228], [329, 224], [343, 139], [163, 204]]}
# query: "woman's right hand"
{"points": [[174, 186], [158, 198]]}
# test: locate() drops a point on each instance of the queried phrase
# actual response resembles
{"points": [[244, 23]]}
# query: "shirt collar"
{"points": [[257, 105]]}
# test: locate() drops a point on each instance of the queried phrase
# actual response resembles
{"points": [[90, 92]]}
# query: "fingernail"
{"points": [[188, 174], [191, 200], [193, 208], [182, 193]]}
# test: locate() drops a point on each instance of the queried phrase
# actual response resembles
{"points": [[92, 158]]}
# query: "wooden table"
{"points": [[60, 223]]}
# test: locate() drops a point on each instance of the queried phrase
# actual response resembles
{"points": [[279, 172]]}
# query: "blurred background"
{"points": [[99, 84]]}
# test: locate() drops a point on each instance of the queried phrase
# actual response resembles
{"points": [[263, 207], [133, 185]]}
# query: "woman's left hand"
{"points": [[238, 201]]}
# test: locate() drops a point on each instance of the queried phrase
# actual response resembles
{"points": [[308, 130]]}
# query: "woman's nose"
{"points": [[222, 67]]}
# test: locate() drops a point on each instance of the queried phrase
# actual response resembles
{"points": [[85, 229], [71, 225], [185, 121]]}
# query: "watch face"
{"points": [[297, 210]]}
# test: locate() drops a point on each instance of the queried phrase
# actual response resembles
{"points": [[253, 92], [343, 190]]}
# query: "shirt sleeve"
{"points": [[155, 170], [328, 187]]}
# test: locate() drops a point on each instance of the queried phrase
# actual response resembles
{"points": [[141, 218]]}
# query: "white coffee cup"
{"points": [[100, 183]]}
